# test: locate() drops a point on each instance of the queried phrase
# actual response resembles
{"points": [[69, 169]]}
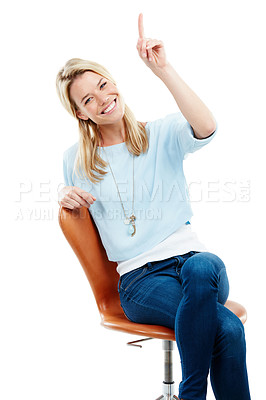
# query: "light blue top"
{"points": [[161, 198]]}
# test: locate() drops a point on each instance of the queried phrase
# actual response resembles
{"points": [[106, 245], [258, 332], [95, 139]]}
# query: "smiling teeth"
{"points": [[110, 107]]}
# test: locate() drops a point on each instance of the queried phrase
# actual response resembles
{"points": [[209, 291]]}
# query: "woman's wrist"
{"points": [[163, 71]]}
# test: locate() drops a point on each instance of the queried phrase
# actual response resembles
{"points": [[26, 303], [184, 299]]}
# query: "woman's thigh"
{"points": [[151, 294], [153, 298]]}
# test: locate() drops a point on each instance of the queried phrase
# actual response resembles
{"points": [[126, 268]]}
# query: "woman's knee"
{"points": [[202, 266]]}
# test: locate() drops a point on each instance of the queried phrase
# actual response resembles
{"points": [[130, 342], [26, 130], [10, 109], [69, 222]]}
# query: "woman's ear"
{"points": [[81, 116]]}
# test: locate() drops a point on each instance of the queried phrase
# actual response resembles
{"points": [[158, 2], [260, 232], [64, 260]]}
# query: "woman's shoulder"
{"points": [[70, 152], [143, 123]]}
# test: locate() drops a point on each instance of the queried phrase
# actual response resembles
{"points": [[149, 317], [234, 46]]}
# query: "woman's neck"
{"points": [[110, 137], [111, 134]]}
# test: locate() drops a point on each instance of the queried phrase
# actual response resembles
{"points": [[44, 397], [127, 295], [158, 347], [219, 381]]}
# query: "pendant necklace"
{"points": [[128, 220]]}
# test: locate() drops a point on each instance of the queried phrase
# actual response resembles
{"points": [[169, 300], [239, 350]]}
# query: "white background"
{"points": [[52, 344]]}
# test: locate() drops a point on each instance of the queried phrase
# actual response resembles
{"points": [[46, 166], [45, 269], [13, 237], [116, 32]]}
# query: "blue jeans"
{"points": [[187, 293]]}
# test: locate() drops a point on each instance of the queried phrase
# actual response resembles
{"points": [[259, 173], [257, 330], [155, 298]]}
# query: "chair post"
{"points": [[168, 383]]}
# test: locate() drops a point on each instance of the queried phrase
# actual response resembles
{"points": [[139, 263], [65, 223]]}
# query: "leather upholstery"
{"points": [[82, 235]]}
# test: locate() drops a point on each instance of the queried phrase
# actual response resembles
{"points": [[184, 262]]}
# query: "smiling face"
{"points": [[93, 94]]}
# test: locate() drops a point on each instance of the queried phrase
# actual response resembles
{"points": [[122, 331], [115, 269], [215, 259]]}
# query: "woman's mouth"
{"points": [[110, 108]]}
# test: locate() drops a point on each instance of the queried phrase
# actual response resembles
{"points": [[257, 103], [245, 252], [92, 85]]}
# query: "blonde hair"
{"points": [[88, 159]]}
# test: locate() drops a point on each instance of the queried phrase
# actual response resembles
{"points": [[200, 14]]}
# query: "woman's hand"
{"points": [[151, 51], [73, 197]]}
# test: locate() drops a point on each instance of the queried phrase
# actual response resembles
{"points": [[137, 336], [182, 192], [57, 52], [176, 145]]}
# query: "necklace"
{"points": [[128, 220]]}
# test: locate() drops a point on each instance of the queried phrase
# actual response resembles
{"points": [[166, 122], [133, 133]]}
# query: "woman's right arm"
{"points": [[73, 197]]}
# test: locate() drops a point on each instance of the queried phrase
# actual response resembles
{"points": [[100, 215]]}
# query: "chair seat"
{"points": [[121, 323]]}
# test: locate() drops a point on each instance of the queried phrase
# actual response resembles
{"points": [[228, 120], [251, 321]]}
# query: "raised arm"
{"points": [[152, 52]]}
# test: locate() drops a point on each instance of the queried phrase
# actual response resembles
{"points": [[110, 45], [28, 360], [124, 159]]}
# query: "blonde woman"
{"points": [[130, 176]]}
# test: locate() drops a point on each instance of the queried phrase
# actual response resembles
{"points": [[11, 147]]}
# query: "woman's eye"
{"points": [[87, 100], [103, 84]]}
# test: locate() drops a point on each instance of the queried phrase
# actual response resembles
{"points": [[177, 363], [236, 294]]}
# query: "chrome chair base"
{"points": [[168, 383], [168, 393]]}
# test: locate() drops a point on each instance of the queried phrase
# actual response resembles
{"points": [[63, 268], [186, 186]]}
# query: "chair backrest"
{"points": [[82, 235]]}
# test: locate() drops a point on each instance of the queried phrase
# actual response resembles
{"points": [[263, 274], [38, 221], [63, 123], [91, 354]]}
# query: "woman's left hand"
{"points": [[151, 51]]}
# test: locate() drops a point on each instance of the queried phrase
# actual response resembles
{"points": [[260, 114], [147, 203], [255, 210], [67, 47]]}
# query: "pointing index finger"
{"points": [[140, 24]]}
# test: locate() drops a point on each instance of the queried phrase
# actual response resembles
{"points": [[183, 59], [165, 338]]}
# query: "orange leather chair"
{"points": [[82, 235]]}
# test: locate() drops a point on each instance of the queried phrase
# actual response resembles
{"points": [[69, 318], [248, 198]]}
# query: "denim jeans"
{"points": [[187, 293]]}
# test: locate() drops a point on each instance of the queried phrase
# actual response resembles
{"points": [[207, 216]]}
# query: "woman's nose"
{"points": [[102, 100]]}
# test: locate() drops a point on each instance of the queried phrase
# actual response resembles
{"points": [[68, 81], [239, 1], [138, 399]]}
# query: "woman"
{"points": [[167, 277]]}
